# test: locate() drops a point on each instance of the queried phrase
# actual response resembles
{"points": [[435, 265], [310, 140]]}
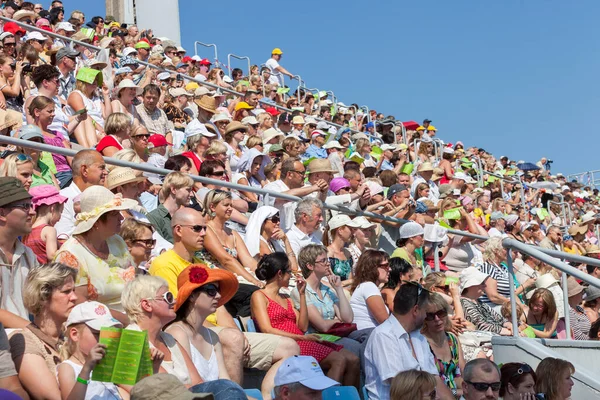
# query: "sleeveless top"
{"points": [[93, 106], [206, 256], [95, 390], [208, 369], [60, 161], [108, 141], [449, 370], [540, 327], [34, 242]]}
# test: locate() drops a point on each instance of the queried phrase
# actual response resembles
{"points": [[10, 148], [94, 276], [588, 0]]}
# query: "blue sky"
{"points": [[516, 77]]}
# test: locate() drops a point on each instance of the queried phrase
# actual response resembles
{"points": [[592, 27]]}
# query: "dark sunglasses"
{"points": [[274, 219], [218, 173], [523, 369], [484, 386], [146, 242], [441, 314], [13, 65], [196, 228], [210, 290], [143, 136], [22, 206]]}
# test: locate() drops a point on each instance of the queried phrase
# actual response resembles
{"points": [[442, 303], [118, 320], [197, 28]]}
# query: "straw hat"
{"points": [[592, 249], [589, 216], [438, 173], [426, 166], [121, 176], [207, 103], [197, 275], [545, 281], [95, 202], [577, 229], [573, 287], [320, 165], [235, 126], [128, 83], [22, 14]]}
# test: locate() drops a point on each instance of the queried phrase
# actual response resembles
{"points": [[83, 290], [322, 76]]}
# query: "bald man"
{"points": [[89, 169]]}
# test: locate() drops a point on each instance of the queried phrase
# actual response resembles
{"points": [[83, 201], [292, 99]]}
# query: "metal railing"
{"points": [[230, 56], [214, 46]]}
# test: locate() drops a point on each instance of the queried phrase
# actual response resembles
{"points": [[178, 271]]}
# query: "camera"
{"points": [[27, 68], [549, 161]]}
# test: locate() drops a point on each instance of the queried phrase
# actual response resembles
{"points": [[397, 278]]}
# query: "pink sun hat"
{"points": [[45, 195]]}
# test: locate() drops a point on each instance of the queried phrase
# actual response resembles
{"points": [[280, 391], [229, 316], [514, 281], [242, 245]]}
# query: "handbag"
{"points": [[341, 329]]}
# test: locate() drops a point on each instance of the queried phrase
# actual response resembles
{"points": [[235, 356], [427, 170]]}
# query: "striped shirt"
{"points": [[580, 324], [500, 275]]}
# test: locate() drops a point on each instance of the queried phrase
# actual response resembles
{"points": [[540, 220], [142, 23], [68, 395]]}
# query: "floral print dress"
{"points": [[105, 279]]}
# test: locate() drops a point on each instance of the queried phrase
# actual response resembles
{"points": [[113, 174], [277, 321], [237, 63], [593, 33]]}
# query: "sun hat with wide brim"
{"points": [[573, 287], [471, 276], [207, 103], [320, 165], [96, 201], [198, 275], [120, 176], [235, 126], [128, 83]]}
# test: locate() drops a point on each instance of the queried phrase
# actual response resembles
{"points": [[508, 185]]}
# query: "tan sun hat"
{"points": [[122, 176], [235, 126], [128, 83], [95, 202], [320, 165], [207, 103], [426, 166]]}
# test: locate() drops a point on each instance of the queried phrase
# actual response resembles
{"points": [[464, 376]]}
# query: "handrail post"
{"points": [[565, 289], [239, 58], [299, 86], [513, 297], [196, 43], [522, 190], [436, 257]]}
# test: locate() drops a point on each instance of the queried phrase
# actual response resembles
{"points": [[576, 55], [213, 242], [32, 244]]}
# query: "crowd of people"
{"points": [[225, 278]]}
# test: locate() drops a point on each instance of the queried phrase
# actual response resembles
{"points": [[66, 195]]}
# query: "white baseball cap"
{"points": [[471, 276], [67, 26], [93, 314], [251, 120], [304, 370], [340, 220], [34, 36], [197, 128], [128, 51], [322, 125], [363, 222]]}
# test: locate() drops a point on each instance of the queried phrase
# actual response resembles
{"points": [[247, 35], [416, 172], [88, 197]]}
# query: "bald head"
{"points": [[187, 216], [186, 234], [85, 158]]}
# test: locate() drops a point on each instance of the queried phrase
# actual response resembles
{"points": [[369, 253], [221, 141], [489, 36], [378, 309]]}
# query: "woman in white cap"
{"points": [[252, 167], [125, 94], [49, 295], [410, 246], [341, 232], [97, 251], [362, 238]]}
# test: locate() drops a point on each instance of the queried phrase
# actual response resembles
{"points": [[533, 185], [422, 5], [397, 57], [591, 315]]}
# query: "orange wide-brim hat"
{"points": [[197, 275]]}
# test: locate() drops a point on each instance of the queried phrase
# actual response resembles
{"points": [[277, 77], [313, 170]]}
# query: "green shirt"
{"points": [[45, 178], [161, 219]]}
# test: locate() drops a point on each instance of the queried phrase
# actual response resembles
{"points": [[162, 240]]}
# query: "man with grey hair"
{"points": [[301, 377], [481, 380], [552, 239], [309, 215]]}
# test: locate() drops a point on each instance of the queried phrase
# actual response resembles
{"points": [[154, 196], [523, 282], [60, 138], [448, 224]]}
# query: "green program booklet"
{"points": [[127, 358]]}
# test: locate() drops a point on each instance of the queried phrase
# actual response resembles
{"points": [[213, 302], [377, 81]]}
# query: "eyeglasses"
{"points": [[146, 242], [167, 297], [10, 44], [484, 386], [210, 290], [324, 261], [274, 219], [441, 314], [303, 173], [22, 206], [196, 228], [23, 157], [143, 136], [385, 265]]}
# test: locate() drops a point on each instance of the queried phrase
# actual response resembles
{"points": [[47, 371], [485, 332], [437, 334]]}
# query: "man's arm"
{"points": [[284, 71]]}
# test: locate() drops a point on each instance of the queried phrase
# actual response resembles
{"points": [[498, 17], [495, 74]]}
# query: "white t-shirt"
{"points": [[362, 317], [272, 64]]}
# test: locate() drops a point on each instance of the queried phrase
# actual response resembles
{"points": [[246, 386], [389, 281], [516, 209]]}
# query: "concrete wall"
{"points": [[160, 15], [584, 355]]}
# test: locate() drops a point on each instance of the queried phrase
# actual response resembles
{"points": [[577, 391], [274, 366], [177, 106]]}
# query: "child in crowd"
{"points": [[81, 353], [48, 205]]}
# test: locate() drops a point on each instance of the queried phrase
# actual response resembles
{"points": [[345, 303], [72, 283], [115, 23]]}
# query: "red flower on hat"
{"points": [[198, 275], [100, 310]]}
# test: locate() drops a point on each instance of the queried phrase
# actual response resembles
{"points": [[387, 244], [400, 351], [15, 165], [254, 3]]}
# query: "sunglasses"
{"points": [[218, 173], [441, 314], [484, 386], [210, 290], [23, 157], [143, 136], [167, 297], [274, 219], [146, 242], [22, 206], [196, 228]]}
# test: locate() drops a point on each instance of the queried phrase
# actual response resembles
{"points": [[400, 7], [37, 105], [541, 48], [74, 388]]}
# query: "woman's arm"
{"points": [[252, 197], [491, 290], [549, 328], [388, 297], [343, 310], [258, 307], [377, 308], [447, 169], [109, 151], [12, 321], [302, 317], [212, 245], [35, 377], [243, 253], [107, 109], [14, 89]]}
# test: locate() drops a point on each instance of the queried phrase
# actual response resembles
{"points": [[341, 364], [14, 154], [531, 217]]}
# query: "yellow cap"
{"points": [[277, 51], [191, 86]]}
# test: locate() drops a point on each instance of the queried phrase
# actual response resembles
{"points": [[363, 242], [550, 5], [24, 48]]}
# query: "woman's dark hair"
{"points": [[44, 72], [514, 373], [348, 165], [176, 163], [54, 14], [367, 267], [208, 167], [97, 19], [398, 267], [269, 265], [369, 172]]}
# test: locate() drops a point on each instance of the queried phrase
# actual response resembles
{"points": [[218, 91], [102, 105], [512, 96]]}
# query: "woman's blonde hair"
{"points": [[550, 375], [434, 279], [497, 203], [491, 247], [41, 281], [117, 122], [174, 180], [437, 302], [10, 164], [131, 229], [213, 198], [127, 155], [215, 147], [424, 148], [360, 143], [253, 141], [262, 117], [412, 384], [142, 287], [69, 347]]}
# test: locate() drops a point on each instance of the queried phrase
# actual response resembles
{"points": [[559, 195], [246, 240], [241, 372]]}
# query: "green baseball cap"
{"points": [[11, 190]]}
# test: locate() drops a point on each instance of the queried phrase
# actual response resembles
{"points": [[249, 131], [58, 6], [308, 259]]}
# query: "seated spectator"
{"points": [[542, 316], [234, 135], [152, 116], [398, 339], [49, 295], [197, 140], [125, 94], [48, 205], [96, 108], [139, 237], [481, 377], [12, 80], [329, 310], [265, 236], [81, 352], [410, 246], [176, 192], [362, 237], [200, 292], [96, 250], [316, 150], [580, 323], [149, 305], [224, 247], [215, 169], [18, 166], [139, 141], [518, 381], [129, 184], [88, 169], [309, 216], [413, 384], [400, 272], [554, 378], [118, 127], [372, 270], [275, 314], [472, 286], [251, 167], [9, 380], [444, 345], [299, 378], [591, 305], [41, 172], [17, 215]]}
